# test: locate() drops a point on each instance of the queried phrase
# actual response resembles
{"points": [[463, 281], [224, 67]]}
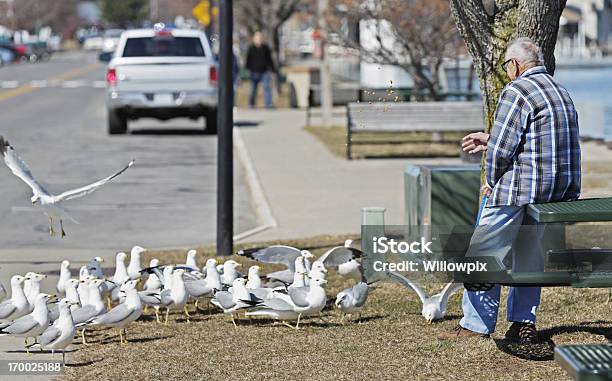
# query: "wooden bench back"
{"points": [[415, 116]]}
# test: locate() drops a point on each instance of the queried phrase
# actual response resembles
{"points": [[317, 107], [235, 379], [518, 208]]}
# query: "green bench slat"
{"points": [[586, 362], [587, 210]]}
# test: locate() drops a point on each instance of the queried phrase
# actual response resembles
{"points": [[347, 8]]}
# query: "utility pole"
{"points": [[225, 124], [154, 11], [325, 75]]}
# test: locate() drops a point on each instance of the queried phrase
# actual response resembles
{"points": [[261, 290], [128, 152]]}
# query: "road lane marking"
{"points": [[9, 84], [39, 84], [16, 91], [102, 207], [70, 74], [72, 84]]}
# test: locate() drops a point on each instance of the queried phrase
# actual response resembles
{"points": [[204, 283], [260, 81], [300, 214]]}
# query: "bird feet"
{"points": [[63, 233]]}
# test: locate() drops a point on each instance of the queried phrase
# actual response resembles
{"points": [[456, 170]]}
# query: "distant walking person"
{"points": [[259, 63]]}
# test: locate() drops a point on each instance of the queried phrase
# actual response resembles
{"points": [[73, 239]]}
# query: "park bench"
{"points": [[586, 362], [586, 268], [431, 117]]}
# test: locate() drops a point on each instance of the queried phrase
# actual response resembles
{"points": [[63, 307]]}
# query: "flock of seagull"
{"points": [[287, 295], [93, 300]]}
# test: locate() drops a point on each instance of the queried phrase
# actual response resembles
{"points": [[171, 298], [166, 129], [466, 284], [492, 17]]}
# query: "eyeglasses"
{"points": [[505, 64]]}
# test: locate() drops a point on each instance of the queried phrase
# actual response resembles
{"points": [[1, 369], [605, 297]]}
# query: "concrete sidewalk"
{"points": [[311, 191]]}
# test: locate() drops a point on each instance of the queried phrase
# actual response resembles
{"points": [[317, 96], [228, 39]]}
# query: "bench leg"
{"points": [[349, 153]]}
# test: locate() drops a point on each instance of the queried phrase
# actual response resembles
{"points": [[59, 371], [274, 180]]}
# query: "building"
{"points": [[586, 29]]}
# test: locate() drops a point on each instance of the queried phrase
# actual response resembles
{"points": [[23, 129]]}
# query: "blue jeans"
{"points": [[496, 234], [255, 79]]}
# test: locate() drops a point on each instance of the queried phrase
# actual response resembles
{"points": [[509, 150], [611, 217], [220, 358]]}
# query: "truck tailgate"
{"points": [[163, 74]]}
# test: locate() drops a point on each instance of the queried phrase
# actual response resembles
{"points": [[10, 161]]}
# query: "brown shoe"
{"points": [[524, 333], [459, 332]]}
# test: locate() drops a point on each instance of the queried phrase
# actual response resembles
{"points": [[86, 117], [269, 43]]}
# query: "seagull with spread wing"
{"points": [[51, 204], [434, 307]]}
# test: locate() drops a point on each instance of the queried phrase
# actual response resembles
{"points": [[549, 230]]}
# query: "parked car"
{"points": [[11, 52], [93, 42], [6, 56], [163, 74], [110, 39]]}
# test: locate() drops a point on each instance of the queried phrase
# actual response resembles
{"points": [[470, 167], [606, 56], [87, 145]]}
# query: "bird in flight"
{"points": [[50, 204]]}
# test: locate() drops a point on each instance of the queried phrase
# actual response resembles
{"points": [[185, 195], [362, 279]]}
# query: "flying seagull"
{"points": [[434, 307], [278, 254], [51, 204], [345, 258]]}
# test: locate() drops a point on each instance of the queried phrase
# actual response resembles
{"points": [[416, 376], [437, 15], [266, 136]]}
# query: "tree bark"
{"points": [[487, 26]]}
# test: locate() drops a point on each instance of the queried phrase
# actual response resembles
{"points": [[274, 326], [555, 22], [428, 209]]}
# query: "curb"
{"points": [[260, 202]]}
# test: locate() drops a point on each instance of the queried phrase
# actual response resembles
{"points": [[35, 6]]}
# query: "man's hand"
{"points": [[475, 142], [486, 191]]}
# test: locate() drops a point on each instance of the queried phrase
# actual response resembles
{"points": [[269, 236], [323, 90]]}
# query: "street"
{"points": [[54, 114]]}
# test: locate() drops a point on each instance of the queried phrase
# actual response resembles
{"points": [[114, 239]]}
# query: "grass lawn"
{"points": [[406, 144], [392, 342]]}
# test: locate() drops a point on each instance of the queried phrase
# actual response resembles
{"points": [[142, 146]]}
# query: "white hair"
{"points": [[525, 51]]}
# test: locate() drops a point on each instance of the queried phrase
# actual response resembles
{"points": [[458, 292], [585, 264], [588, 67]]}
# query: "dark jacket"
{"points": [[259, 59]]}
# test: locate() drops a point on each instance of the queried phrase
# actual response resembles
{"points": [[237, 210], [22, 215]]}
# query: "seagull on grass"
{"points": [[30, 325], [297, 303], [434, 307], [60, 334], [17, 306], [279, 254], [345, 258], [63, 277], [51, 204], [351, 300], [123, 314]]}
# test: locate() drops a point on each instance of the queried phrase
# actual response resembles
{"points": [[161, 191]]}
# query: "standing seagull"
{"points": [[60, 334], [63, 276], [434, 307], [123, 314], [51, 204], [30, 325], [17, 306], [191, 261], [352, 299], [135, 267]]}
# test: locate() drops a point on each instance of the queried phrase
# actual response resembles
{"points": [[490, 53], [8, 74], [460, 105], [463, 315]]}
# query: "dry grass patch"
{"points": [[384, 144], [392, 342]]}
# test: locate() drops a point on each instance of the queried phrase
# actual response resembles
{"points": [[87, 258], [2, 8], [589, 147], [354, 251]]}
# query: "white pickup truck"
{"points": [[163, 74]]}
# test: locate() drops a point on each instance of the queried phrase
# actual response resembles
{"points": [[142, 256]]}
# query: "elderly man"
{"points": [[532, 156]]}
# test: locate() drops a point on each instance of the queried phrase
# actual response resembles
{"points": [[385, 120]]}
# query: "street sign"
{"points": [[202, 12]]}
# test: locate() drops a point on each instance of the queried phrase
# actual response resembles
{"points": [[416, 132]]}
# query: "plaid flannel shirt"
{"points": [[533, 153]]}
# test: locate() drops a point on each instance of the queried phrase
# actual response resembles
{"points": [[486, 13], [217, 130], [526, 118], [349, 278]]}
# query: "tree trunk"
{"points": [[487, 26]]}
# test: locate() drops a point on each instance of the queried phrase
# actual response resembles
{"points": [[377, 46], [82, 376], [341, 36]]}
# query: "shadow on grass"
{"points": [[115, 339], [246, 123], [314, 322], [545, 349], [168, 131], [83, 364]]}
